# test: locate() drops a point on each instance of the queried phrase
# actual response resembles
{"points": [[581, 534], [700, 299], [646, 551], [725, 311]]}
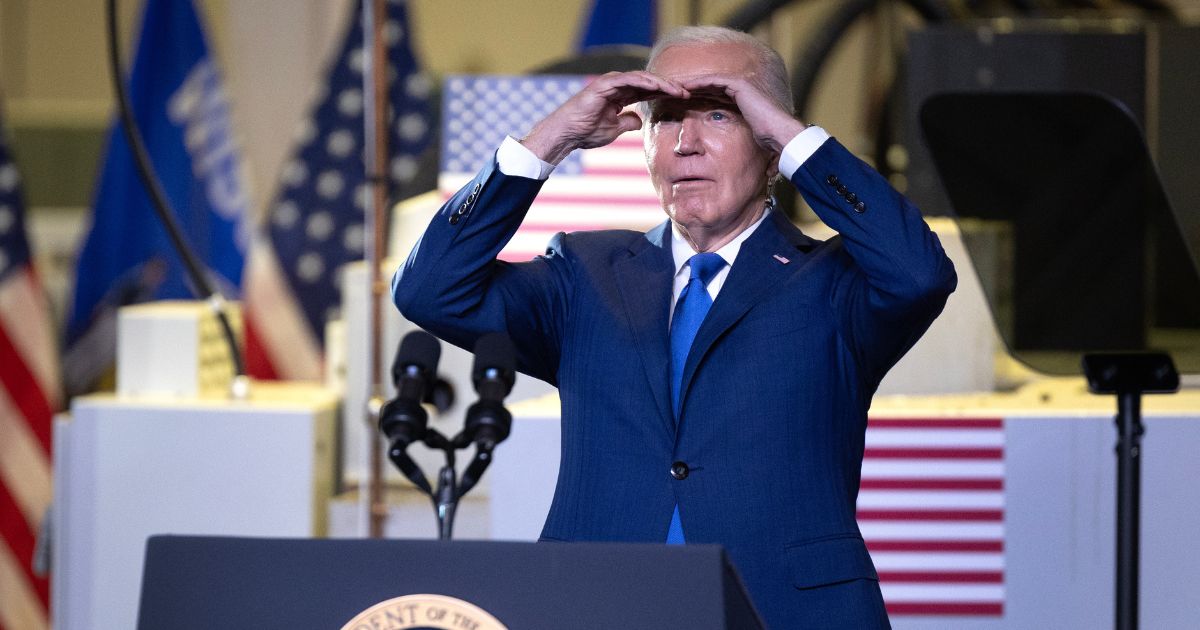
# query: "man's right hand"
{"points": [[596, 115]]}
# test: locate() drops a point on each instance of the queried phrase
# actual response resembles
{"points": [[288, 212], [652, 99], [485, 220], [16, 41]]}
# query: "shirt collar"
{"points": [[681, 249]]}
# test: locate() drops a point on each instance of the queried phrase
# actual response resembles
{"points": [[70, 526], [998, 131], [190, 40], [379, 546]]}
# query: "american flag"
{"points": [[315, 224], [29, 395], [931, 509], [601, 188]]}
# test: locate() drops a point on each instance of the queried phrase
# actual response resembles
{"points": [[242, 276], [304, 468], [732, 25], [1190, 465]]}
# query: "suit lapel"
{"points": [[644, 280], [776, 250]]}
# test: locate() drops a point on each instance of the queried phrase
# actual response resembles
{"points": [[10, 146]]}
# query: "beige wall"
{"points": [[53, 69], [54, 73]]}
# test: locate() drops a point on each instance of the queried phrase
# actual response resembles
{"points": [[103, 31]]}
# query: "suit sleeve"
{"points": [[453, 286], [896, 277]]}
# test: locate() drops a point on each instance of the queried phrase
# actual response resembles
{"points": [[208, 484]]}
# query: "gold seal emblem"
{"points": [[418, 612]]}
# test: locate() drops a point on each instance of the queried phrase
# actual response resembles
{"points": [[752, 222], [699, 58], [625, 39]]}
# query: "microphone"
{"points": [[488, 423], [440, 394], [403, 420]]}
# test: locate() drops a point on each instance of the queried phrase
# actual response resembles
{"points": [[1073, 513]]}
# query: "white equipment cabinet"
{"points": [[129, 468]]}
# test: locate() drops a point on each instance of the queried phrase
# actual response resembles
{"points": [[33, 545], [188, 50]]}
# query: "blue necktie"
{"points": [[690, 309]]}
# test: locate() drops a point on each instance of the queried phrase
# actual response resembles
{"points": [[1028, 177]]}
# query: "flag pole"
{"points": [[374, 158]]}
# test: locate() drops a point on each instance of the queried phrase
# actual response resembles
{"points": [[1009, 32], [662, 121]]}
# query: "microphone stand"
{"points": [[449, 487], [487, 423], [445, 498]]}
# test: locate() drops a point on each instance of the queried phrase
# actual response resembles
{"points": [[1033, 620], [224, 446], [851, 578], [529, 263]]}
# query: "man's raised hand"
{"points": [[773, 126], [595, 116]]}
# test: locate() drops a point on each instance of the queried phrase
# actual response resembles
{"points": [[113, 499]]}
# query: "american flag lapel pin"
{"points": [[781, 259]]}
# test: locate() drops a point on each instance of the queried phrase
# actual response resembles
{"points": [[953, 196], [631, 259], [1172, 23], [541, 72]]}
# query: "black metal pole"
{"points": [[1129, 491], [1129, 375], [447, 499]]}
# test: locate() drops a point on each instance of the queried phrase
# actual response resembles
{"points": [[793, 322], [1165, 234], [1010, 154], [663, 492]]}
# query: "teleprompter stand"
{"points": [[1129, 375], [215, 582], [1067, 175]]}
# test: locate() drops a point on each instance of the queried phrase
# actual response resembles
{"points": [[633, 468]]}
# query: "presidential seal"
{"points": [[424, 612]]}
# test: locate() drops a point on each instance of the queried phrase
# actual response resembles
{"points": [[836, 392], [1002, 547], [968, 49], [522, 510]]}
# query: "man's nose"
{"points": [[688, 142]]}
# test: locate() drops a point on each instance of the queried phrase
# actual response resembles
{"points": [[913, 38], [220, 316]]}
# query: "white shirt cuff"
{"points": [[800, 149], [515, 160]]}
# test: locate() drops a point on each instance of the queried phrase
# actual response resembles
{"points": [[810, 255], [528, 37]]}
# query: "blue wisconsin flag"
{"points": [[183, 113], [620, 22]]}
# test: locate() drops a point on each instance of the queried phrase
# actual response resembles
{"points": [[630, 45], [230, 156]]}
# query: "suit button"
{"points": [[841, 188], [679, 470], [454, 219], [860, 207], [832, 180], [851, 198]]}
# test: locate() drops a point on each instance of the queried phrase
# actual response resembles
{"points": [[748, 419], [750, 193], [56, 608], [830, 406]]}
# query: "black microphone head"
{"points": [[418, 348], [403, 422], [495, 352], [488, 423]]}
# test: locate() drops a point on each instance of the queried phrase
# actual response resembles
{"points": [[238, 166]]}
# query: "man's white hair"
{"points": [[772, 76]]}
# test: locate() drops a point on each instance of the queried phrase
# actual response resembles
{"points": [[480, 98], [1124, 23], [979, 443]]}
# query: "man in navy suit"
{"points": [[750, 435]]}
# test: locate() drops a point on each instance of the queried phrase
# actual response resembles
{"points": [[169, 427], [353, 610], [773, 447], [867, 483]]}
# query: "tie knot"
{"points": [[705, 266]]}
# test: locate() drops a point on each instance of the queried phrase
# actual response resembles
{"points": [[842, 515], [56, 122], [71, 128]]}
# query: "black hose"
{"points": [[1155, 8], [816, 53], [753, 13], [813, 57], [203, 288]]}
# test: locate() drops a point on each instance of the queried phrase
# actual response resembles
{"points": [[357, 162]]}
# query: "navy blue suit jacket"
{"points": [[775, 391]]}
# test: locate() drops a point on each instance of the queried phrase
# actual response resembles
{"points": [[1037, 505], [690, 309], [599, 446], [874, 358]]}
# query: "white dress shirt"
{"points": [[514, 160]]}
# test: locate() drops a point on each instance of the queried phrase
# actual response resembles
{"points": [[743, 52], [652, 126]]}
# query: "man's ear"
{"points": [[773, 166], [631, 117], [628, 120]]}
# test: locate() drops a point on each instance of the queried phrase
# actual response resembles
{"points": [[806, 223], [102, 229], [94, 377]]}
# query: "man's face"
{"points": [[709, 172]]}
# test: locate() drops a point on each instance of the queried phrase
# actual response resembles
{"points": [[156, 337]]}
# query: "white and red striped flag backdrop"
{"points": [[931, 508], [595, 189], [29, 395]]}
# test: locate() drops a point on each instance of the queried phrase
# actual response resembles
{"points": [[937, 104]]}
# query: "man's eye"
{"points": [[718, 116]]}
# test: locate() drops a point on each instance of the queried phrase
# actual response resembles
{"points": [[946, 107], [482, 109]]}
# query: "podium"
{"points": [[223, 582]]}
